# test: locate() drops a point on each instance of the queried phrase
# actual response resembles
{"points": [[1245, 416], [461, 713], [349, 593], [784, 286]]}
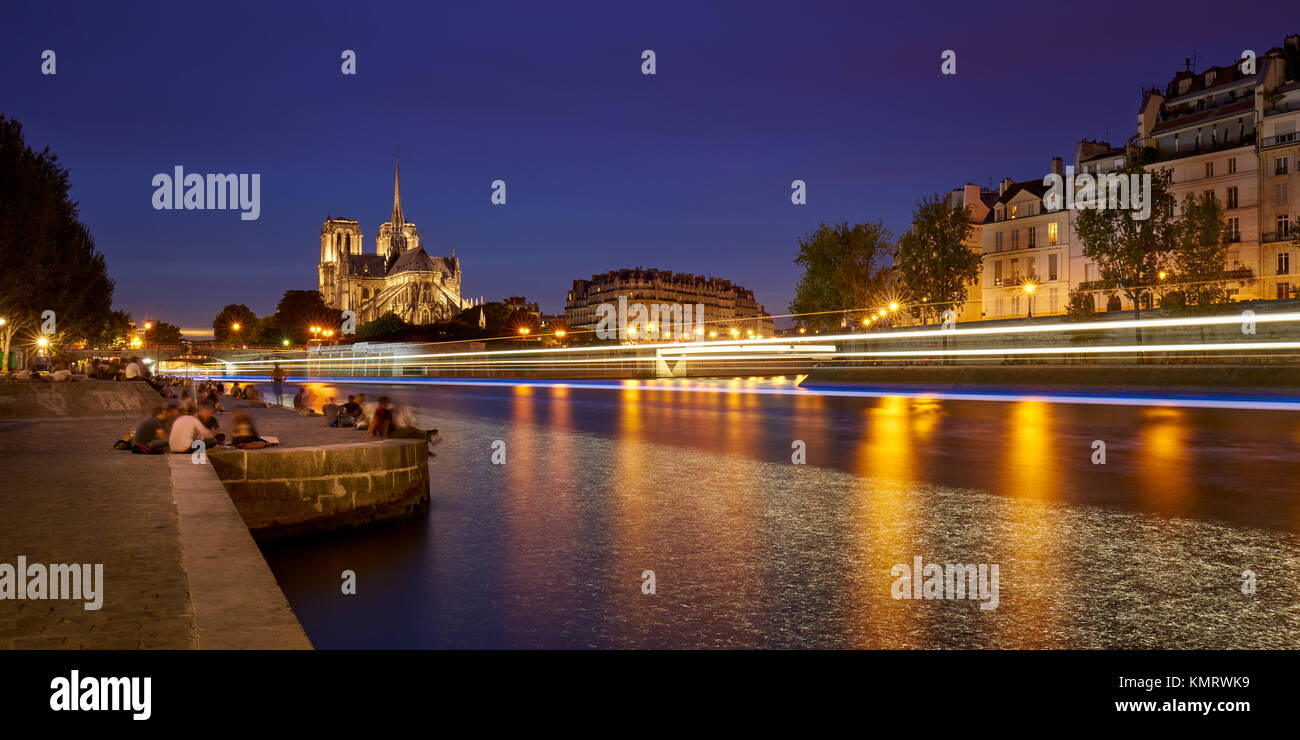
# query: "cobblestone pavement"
{"points": [[66, 496]]}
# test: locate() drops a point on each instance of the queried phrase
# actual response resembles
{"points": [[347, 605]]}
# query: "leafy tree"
{"points": [[387, 327], [163, 333], [933, 259], [1130, 252], [49, 256], [296, 313], [841, 270], [1202, 250], [1080, 306], [235, 314], [116, 332]]}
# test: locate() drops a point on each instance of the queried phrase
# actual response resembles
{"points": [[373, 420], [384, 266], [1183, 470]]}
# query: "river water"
{"points": [[695, 482]]}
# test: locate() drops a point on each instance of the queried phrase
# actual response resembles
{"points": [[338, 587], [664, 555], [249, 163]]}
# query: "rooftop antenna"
{"points": [[1193, 67]]}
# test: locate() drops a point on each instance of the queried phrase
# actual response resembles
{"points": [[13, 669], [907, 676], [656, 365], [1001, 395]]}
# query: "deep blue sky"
{"points": [[688, 170]]}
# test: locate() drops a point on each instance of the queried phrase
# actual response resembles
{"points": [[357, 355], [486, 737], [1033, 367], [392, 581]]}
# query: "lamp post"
{"points": [[1029, 287]]}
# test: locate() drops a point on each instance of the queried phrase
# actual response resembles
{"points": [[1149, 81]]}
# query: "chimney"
{"points": [[1002, 186], [1057, 166]]}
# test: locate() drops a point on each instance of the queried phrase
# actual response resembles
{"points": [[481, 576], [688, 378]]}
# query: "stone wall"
{"points": [[301, 489], [72, 399]]}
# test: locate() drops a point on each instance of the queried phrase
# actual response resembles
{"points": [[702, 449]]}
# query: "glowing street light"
{"points": [[523, 330], [893, 306], [1029, 287], [1163, 274], [42, 342]]}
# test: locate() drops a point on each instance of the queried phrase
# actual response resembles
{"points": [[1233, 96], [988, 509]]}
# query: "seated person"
{"points": [[246, 436], [187, 430], [331, 411], [150, 436], [381, 421], [351, 410], [210, 422]]}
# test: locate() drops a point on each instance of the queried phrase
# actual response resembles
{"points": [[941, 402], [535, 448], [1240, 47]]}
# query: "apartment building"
{"points": [[1279, 171], [1026, 251]]}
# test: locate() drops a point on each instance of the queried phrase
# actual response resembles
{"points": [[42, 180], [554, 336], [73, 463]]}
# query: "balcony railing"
{"points": [[1279, 140], [1275, 236]]}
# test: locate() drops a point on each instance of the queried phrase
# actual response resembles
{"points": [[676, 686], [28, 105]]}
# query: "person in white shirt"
{"points": [[132, 371], [187, 430]]}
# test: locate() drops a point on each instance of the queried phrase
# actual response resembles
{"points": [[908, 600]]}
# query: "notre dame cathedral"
{"points": [[400, 277]]}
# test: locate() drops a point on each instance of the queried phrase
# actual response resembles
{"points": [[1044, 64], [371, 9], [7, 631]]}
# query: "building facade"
{"points": [[1228, 131], [398, 278], [728, 309]]}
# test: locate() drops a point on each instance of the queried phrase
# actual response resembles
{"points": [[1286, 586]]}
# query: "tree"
{"points": [[841, 270], [296, 313], [389, 326], [49, 257], [1080, 305], [162, 333], [234, 324], [1202, 250], [933, 259], [1130, 252], [116, 332]]}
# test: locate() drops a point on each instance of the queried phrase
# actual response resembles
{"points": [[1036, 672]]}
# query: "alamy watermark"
{"points": [[1099, 192], [195, 192], [81, 581], [948, 581], [634, 321]]}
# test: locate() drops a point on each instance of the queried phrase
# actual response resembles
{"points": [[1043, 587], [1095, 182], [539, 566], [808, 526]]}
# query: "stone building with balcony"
{"points": [[726, 306], [1026, 251]]}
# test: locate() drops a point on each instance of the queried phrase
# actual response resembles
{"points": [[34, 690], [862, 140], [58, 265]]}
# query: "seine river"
{"points": [[695, 482]]}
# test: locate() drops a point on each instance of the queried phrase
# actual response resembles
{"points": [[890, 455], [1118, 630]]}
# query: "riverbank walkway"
{"points": [[180, 569]]}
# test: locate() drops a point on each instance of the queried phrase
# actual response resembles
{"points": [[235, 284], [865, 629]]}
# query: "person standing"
{"points": [[277, 382]]}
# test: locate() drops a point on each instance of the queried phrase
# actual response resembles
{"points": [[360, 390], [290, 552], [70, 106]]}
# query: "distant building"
{"points": [[726, 306], [519, 303], [399, 277]]}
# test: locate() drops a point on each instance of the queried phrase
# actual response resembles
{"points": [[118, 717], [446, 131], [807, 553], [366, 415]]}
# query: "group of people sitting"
{"points": [[381, 419], [169, 429]]}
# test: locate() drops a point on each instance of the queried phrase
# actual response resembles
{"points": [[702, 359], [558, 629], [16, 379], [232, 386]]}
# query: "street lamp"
{"points": [[1029, 287]]}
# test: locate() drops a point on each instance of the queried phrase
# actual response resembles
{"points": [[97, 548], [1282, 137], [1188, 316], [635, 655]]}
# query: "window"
{"points": [[997, 242], [997, 272], [1015, 270], [1015, 238], [1234, 229], [1283, 226], [1283, 291], [1051, 267], [1232, 197], [1033, 233], [1281, 165], [1031, 209], [1209, 169], [1209, 195], [1284, 263], [1014, 209], [1232, 166], [1280, 194], [1051, 235]]}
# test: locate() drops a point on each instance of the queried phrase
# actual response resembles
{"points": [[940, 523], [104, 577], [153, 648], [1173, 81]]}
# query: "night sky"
{"points": [[688, 170]]}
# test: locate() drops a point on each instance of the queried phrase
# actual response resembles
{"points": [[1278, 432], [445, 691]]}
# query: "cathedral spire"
{"points": [[397, 194]]}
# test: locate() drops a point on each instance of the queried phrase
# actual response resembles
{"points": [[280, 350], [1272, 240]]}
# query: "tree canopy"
{"points": [[933, 261], [49, 257], [842, 271]]}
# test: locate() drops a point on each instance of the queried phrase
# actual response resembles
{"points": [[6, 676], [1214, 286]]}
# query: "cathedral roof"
{"points": [[417, 260], [366, 264]]}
